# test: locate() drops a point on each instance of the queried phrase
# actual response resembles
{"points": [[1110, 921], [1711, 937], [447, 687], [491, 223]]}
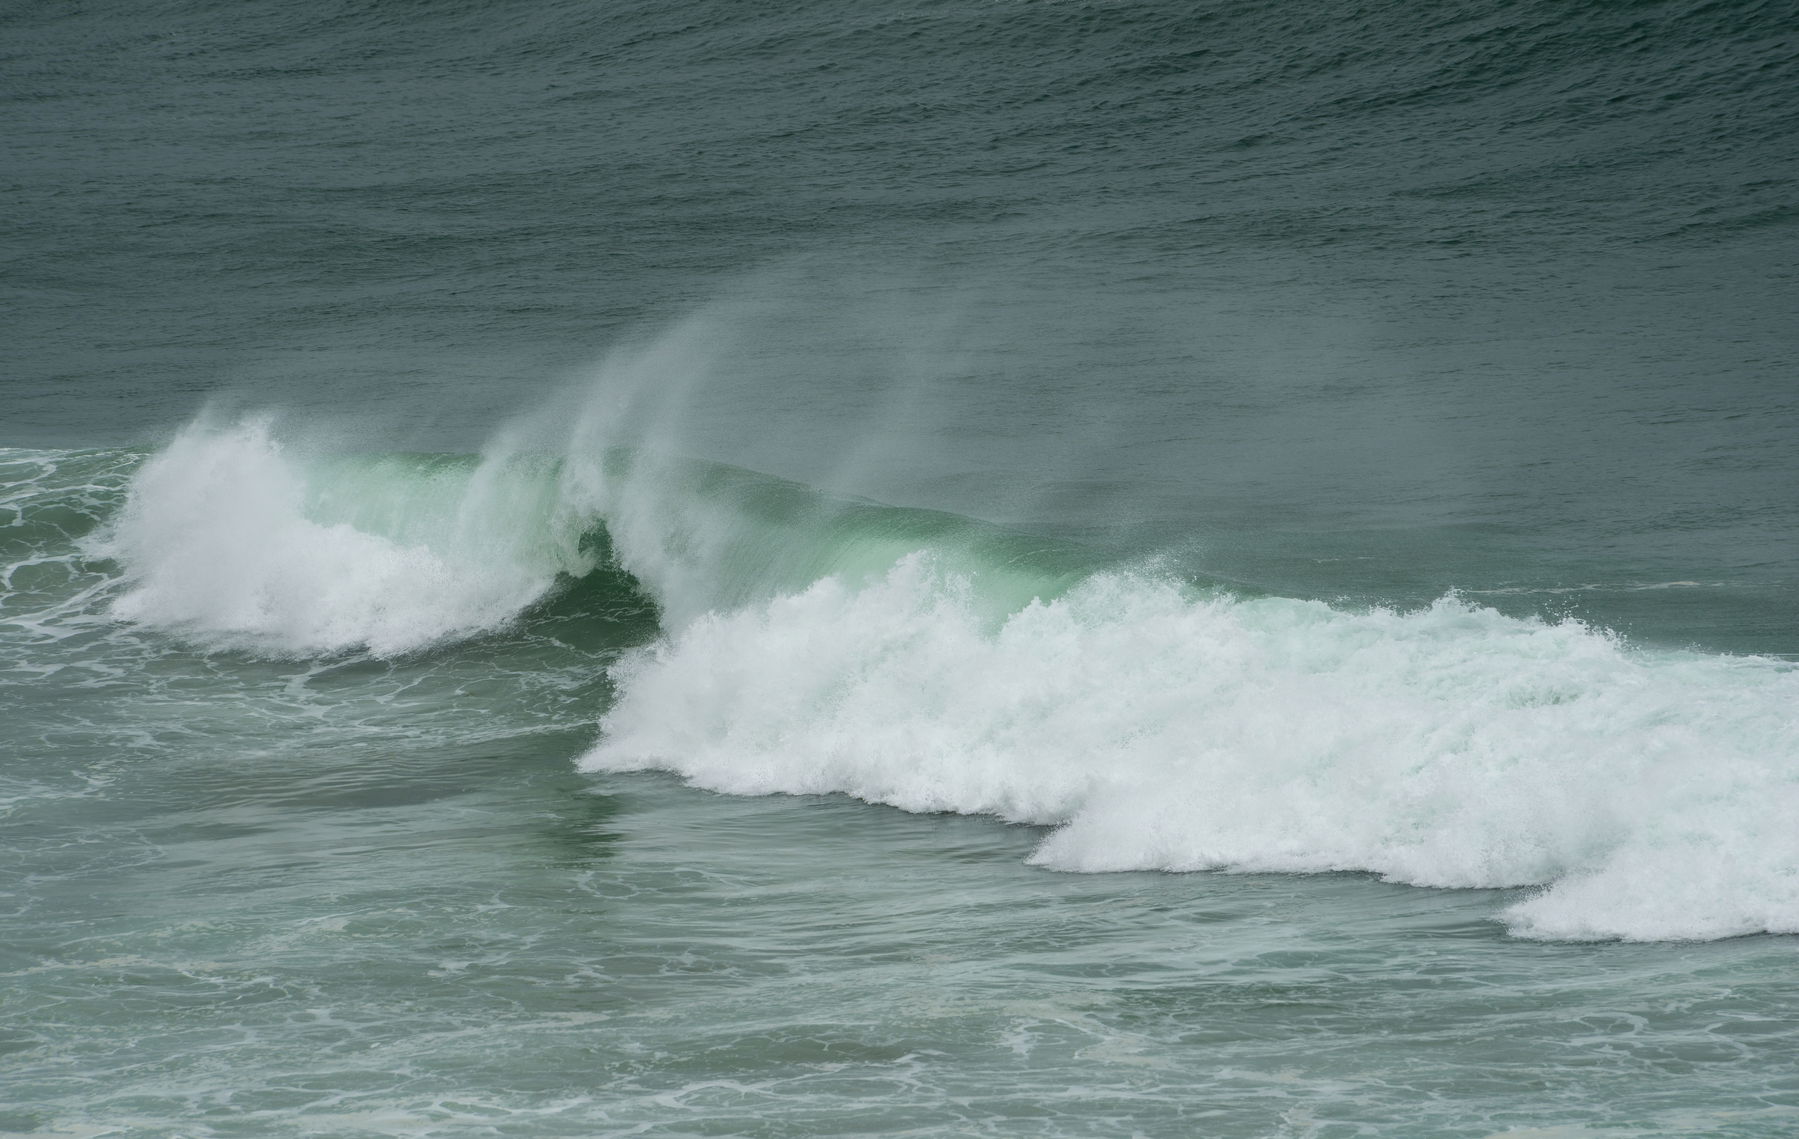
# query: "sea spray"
{"points": [[230, 538], [1158, 727], [234, 537]]}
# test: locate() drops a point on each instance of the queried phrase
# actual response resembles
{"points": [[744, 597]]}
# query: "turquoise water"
{"points": [[972, 569]]}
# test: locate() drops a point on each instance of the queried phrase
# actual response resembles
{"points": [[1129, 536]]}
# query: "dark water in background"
{"points": [[1181, 317], [1520, 276]]}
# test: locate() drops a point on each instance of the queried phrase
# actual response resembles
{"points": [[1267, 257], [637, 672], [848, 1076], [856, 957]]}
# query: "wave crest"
{"points": [[228, 538]]}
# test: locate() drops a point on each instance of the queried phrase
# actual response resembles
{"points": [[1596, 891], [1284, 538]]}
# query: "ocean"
{"points": [[960, 568]]}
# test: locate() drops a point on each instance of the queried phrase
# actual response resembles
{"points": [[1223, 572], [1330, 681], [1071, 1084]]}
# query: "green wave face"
{"points": [[233, 538]]}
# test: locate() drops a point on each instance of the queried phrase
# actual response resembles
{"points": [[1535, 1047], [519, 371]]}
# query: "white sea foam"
{"points": [[228, 538], [1651, 795], [1647, 794]]}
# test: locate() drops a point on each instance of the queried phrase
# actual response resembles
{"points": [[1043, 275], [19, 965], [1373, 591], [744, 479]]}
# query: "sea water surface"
{"points": [[965, 568]]}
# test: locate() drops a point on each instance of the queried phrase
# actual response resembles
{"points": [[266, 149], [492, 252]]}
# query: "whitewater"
{"points": [[1148, 722]]}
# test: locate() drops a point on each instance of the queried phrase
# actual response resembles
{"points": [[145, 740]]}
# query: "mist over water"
{"points": [[977, 568]]}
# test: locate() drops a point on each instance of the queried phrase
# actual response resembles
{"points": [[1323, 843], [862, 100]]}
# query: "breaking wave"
{"points": [[817, 645]]}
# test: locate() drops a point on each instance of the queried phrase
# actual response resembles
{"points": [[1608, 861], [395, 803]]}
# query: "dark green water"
{"points": [[500, 503]]}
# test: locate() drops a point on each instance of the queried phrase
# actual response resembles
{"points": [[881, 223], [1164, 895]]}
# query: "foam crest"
{"points": [[1648, 795], [230, 538]]}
